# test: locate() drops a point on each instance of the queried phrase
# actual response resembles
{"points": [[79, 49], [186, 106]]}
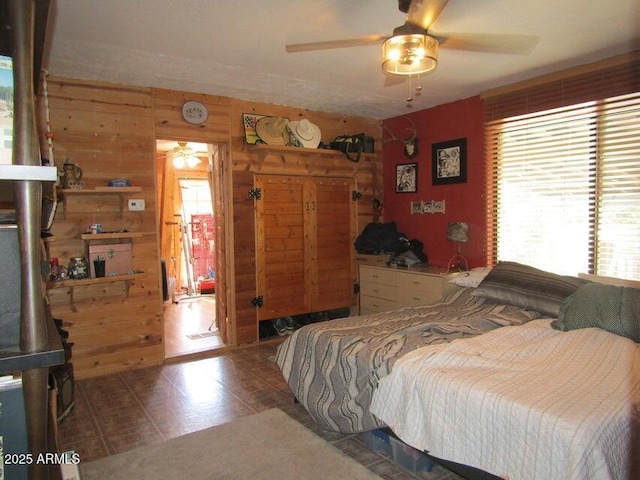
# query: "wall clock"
{"points": [[194, 112]]}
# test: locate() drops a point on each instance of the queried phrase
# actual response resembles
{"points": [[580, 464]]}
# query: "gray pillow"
{"points": [[612, 308], [528, 287]]}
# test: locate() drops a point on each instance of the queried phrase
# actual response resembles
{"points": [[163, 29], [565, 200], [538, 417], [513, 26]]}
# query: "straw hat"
{"points": [[273, 130], [306, 133]]}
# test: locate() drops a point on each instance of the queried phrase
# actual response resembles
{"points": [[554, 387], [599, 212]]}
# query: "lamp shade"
{"points": [[458, 232], [409, 54]]}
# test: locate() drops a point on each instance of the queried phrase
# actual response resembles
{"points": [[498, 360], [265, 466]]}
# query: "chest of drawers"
{"points": [[389, 288]]}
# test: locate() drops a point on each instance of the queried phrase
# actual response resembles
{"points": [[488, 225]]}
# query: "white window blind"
{"points": [[565, 187]]}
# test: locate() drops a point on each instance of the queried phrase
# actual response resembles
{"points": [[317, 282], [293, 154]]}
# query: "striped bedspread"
{"points": [[333, 367], [527, 402]]}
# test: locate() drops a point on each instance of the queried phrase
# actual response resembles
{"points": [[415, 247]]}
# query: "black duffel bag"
{"points": [[353, 145], [378, 238]]}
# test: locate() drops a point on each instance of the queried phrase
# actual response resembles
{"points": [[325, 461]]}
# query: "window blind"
{"points": [[564, 193]]}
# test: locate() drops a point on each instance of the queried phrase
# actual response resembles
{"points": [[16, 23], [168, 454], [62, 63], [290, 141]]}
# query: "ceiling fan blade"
{"points": [[424, 12], [326, 45], [489, 42]]}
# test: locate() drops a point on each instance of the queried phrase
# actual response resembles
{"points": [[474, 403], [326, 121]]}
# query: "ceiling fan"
{"points": [[185, 156], [412, 49]]}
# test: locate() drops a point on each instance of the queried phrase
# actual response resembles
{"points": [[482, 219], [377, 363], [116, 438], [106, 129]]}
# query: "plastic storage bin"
{"points": [[410, 458], [378, 441]]}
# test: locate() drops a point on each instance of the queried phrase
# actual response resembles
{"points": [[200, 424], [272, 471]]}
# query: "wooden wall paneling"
{"points": [[169, 124], [108, 131]]}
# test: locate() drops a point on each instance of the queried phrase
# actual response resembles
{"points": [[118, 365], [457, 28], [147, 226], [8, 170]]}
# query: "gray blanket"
{"points": [[333, 367]]}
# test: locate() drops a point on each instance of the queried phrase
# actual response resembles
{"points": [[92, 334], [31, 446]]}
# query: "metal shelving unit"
{"points": [[22, 32]]}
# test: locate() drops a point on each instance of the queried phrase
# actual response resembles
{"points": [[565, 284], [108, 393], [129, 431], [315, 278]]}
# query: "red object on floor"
{"points": [[207, 285]]}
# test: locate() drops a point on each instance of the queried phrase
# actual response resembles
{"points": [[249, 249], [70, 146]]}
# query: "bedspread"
{"points": [[527, 402], [333, 367]]}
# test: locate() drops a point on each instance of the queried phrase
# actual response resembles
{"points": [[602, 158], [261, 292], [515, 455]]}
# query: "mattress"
{"points": [[526, 402]]}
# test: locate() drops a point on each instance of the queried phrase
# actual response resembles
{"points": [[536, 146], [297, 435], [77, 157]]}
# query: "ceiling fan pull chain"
{"points": [[409, 98]]}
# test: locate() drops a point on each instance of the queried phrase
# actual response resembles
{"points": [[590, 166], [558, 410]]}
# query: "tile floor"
{"points": [[119, 412]]}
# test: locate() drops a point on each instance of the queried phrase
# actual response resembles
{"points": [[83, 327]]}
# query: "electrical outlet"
{"points": [[136, 205]]}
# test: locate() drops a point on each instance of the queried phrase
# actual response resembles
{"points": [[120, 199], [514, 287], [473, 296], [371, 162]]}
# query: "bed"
{"points": [[550, 399], [333, 367]]}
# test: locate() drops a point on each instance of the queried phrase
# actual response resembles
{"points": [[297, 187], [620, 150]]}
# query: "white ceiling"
{"points": [[236, 48]]}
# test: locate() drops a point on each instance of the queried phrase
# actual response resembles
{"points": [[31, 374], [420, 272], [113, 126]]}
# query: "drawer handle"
{"points": [[416, 283]]}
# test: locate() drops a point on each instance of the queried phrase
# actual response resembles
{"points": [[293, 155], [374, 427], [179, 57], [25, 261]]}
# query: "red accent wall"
{"points": [[465, 202]]}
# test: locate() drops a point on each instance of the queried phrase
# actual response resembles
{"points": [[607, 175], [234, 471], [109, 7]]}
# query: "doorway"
{"points": [[188, 246]]}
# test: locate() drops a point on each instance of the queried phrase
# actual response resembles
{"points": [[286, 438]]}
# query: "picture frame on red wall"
{"points": [[449, 162], [406, 178]]}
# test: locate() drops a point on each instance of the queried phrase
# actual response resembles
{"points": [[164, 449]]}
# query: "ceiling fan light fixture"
{"points": [[413, 54], [183, 155]]}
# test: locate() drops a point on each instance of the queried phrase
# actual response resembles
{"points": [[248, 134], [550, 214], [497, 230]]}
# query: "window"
{"points": [[565, 187]]}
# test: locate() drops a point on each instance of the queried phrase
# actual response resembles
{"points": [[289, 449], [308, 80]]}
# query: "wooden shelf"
{"points": [[112, 235], [82, 282], [313, 156], [120, 191], [98, 191], [261, 147]]}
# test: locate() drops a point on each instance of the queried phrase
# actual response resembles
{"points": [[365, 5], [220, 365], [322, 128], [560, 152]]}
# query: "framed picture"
{"points": [[407, 178], [249, 121], [416, 207], [449, 162]]}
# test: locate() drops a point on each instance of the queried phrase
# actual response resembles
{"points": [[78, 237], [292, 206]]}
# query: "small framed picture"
{"points": [[249, 121], [407, 178], [449, 162]]}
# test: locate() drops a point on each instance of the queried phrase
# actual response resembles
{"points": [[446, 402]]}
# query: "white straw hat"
{"points": [[273, 130], [306, 133]]}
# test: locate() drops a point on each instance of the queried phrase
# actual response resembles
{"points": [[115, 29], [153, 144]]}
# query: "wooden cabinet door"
{"points": [[305, 258], [334, 229], [280, 248]]}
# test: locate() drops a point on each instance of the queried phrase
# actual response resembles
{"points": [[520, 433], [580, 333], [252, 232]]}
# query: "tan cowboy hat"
{"points": [[273, 130], [306, 133]]}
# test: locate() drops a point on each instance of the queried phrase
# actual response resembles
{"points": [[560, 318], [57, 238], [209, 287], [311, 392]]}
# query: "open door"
{"points": [[192, 232], [218, 188]]}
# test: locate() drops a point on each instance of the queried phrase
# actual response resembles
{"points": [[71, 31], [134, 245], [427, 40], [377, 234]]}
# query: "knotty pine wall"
{"points": [[110, 131]]}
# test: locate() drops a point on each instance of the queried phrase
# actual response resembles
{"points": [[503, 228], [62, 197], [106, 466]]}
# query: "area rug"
{"points": [[266, 446]]}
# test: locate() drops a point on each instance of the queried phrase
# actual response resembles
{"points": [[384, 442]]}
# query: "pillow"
{"points": [[472, 278], [612, 308], [528, 287]]}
